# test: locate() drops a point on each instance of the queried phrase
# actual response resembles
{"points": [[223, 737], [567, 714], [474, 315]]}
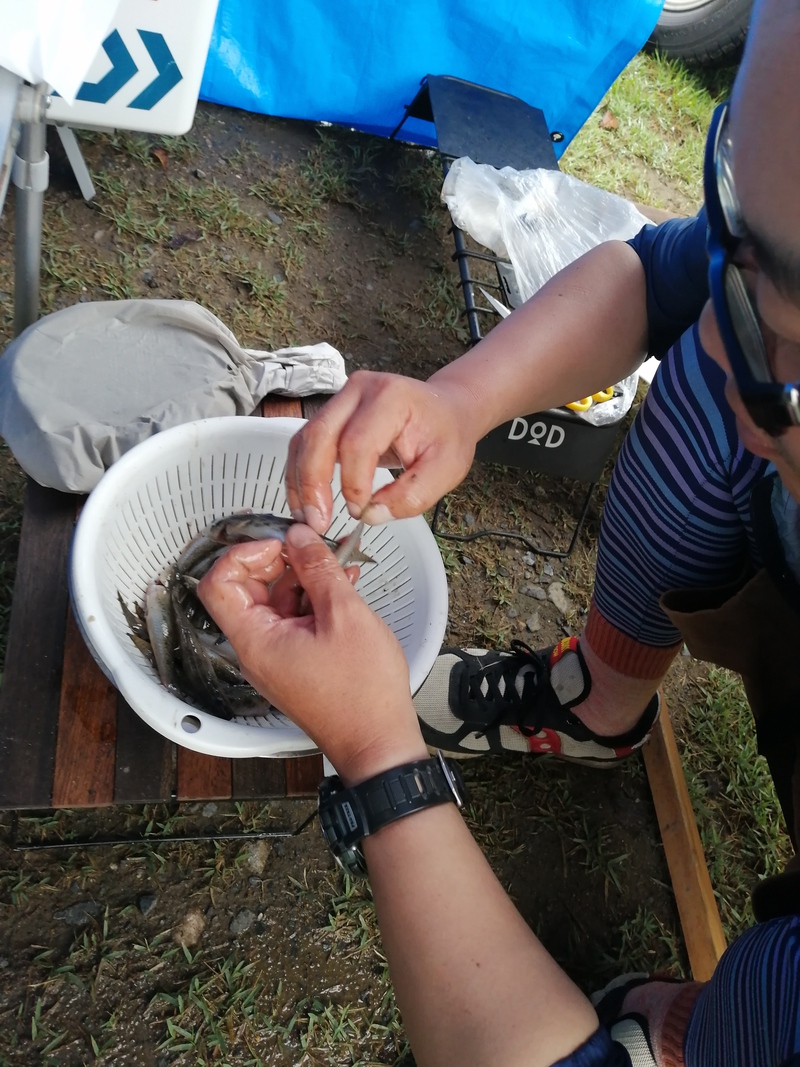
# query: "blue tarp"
{"points": [[359, 62]]}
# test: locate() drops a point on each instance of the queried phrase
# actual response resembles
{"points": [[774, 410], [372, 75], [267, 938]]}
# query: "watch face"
{"points": [[334, 822]]}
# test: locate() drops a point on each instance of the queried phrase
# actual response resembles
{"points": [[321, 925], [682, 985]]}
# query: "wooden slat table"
{"points": [[67, 738]]}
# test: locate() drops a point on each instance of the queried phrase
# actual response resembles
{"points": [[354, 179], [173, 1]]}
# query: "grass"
{"points": [[738, 815], [232, 1007], [332, 172], [655, 153]]}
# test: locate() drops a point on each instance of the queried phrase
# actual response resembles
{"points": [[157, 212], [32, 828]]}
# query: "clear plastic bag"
{"points": [[541, 220]]}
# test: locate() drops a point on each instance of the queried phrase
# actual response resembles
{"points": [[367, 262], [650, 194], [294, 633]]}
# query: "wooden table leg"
{"points": [[697, 908]]}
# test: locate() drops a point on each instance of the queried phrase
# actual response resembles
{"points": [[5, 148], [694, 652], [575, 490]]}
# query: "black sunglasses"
{"points": [[772, 405]]}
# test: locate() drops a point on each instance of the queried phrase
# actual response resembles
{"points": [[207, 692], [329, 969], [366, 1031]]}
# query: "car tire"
{"points": [[702, 32]]}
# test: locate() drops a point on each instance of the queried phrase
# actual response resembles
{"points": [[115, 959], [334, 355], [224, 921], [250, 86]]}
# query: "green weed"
{"points": [[655, 154], [738, 814]]}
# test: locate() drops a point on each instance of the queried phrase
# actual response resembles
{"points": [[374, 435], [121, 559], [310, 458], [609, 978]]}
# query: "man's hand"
{"points": [[381, 420], [338, 673]]}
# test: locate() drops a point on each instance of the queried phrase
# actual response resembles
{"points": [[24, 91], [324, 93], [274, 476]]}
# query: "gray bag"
{"points": [[82, 386]]}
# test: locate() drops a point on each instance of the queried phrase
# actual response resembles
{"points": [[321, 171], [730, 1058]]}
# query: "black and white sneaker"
{"points": [[630, 1030], [648, 1016], [476, 702]]}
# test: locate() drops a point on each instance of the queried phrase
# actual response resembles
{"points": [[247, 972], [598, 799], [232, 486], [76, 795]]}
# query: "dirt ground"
{"points": [[259, 952]]}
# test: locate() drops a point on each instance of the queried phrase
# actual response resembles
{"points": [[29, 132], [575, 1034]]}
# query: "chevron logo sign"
{"points": [[144, 79], [123, 68]]}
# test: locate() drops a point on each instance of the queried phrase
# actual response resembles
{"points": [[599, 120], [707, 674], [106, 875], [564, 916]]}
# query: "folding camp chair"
{"points": [[503, 131]]}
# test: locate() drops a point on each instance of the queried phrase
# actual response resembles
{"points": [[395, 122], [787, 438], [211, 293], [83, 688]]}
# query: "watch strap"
{"points": [[348, 815], [405, 789]]}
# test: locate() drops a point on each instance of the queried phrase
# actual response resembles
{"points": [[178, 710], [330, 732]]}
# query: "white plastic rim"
{"points": [[166, 489]]}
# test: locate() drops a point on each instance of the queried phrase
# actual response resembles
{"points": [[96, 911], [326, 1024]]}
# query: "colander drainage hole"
{"points": [[190, 723]]}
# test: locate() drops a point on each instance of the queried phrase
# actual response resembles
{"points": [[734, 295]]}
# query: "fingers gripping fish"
{"points": [[192, 658], [236, 529]]}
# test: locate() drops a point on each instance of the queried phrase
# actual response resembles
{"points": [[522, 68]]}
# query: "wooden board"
{"points": [[202, 777], [281, 407], [697, 908], [254, 779], [303, 776], [87, 729], [30, 694], [145, 762]]}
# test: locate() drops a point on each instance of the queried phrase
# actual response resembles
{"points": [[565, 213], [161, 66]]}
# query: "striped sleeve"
{"points": [[676, 272]]}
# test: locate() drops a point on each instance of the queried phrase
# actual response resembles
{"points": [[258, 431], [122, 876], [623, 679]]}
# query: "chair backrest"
{"points": [[488, 126]]}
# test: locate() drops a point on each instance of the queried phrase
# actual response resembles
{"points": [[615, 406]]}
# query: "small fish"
{"points": [[193, 556], [347, 551], [161, 634], [184, 589], [144, 647], [245, 700], [203, 566], [222, 657], [201, 680], [177, 635], [220, 646], [136, 620], [236, 529]]}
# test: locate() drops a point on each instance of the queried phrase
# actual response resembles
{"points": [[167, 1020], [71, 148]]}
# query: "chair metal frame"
{"points": [[493, 127]]}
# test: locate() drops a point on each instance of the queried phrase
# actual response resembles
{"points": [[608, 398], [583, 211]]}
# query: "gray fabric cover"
{"points": [[82, 386]]}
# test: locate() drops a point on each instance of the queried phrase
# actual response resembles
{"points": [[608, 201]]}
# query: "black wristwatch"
{"points": [[348, 815]]}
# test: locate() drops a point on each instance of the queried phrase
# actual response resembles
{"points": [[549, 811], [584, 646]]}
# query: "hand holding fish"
{"points": [[338, 672], [381, 420]]}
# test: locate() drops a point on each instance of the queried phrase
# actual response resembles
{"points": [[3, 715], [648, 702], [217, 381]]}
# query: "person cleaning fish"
{"points": [[700, 542]]}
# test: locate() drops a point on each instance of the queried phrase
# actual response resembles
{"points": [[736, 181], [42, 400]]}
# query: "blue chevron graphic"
{"points": [[122, 70], [168, 74]]}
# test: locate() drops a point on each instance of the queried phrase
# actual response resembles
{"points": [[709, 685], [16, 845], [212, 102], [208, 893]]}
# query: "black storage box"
{"points": [[556, 442]]}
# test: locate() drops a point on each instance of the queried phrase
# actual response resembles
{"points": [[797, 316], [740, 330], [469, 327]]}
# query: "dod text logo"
{"points": [[540, 433]]}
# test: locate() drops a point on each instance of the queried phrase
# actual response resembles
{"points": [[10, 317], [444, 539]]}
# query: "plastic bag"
{"points": [[541, 220], [82, 386], [54, 42]]}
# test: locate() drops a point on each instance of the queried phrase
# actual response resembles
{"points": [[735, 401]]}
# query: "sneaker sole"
{"points": [[595, 764]]}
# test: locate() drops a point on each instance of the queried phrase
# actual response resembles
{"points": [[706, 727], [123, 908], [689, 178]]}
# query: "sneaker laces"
{"points": [[503, 690]]}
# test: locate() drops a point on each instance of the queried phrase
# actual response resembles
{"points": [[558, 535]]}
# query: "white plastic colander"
{"points": [[166, 489]]}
